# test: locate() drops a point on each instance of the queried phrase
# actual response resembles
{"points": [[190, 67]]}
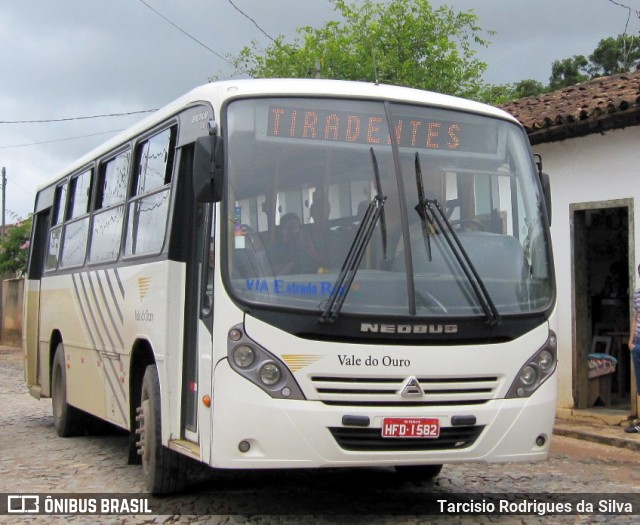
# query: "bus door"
{"points": [[197, 367], [31, 320], [193, 235]]}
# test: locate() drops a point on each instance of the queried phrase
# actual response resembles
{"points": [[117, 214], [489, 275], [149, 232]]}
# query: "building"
{"points": [[588, 136]]}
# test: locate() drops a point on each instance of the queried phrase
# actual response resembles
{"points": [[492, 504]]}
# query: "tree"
{"points": [[501, 94], [404, 42], [568, 72], [615, 55], [529, 88], [14, 249], [611, 56]]}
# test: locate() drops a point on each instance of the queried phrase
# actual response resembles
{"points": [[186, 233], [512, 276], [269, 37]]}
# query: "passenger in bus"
{"points": [[317, 239], [285, 252]]}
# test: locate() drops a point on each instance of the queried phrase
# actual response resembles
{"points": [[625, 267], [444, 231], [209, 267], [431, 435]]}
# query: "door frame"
{"points": [[579, 300]]}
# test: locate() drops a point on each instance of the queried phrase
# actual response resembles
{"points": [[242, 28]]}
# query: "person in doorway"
{"points": [[634, 346]]}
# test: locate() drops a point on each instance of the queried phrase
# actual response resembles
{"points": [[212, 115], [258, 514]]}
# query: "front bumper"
{"points": [[296, 434]]}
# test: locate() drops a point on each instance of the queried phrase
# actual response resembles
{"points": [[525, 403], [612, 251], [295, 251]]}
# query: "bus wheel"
{"points": [[418, 472], [67, 420], [164, 470]]}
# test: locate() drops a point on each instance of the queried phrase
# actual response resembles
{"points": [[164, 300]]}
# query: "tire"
{"points": [[67, 420], [418, 472], [164, 470]]}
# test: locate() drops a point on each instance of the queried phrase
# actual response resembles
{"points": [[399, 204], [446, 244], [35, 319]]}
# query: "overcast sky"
{"points": [[73, 58]]}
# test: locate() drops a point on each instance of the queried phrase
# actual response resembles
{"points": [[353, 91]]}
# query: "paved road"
{"points": [[34, 460]]}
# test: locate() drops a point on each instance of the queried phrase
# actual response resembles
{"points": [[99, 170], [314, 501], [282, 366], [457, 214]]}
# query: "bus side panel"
{"points": [[153, 312], [62, 309], [30, 334]]}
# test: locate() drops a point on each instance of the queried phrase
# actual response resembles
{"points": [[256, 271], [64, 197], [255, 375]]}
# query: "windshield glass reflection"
{"points": [[301, 180]]}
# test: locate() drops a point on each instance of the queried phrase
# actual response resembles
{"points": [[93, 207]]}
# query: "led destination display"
{"points": [[305, 124]]}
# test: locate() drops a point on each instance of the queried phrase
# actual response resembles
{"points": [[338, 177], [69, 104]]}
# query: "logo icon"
{"points": [[411, 388], [17, 504], [143, 286]]}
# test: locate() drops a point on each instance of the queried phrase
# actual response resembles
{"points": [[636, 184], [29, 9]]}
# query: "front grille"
{"points": [[371, 440], [376, 391]]}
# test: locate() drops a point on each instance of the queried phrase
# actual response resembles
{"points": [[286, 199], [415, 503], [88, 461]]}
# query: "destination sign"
{"points": [[370, 129]]}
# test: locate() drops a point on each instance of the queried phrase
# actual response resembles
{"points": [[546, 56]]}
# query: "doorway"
{"points": [[602, 281]]}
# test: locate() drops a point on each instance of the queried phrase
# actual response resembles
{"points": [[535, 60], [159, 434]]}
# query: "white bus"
{"points": [[300, 273]]}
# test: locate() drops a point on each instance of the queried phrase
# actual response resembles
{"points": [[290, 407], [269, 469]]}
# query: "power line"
{"points": [[14, 216], [252, 20], [60, 140], [67, 119], [185, 33], [29, 192], [626, 52], [636, 11]]}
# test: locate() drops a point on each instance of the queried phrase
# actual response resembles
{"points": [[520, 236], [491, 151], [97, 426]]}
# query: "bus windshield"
{"points": [[304, 174]]}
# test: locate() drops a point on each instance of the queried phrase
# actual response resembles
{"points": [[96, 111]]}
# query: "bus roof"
{"points": [[231, 89]]}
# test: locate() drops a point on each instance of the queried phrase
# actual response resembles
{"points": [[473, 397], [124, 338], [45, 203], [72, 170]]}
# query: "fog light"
{"points": [[243, 356], [270, 374], [541, 440], [244, 446]]}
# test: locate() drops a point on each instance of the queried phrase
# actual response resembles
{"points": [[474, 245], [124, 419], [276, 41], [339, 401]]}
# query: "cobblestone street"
{"points": [[33, 459]]}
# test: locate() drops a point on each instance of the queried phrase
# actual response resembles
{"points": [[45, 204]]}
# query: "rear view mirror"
{"points": [[208, 176], [546, 185], [546, 189]]}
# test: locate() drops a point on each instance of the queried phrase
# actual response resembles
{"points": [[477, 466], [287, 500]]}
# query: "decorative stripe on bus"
{"points": [[108, 365]]}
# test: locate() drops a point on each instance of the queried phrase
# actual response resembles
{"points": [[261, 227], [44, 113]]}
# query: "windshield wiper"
{"points": [[431, 211], [425, 218], [350, 266]]}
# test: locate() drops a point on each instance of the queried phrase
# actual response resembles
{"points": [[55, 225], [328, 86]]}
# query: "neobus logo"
{"points": [[380, 328]]}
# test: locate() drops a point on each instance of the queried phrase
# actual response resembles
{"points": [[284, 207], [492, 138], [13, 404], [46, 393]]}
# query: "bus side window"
{"points": [[149, 206], [109, 214], [76, 231], [53, 246]]}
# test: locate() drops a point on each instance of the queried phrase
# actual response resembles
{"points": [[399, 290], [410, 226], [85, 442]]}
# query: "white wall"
{"points": [[594, 168]]}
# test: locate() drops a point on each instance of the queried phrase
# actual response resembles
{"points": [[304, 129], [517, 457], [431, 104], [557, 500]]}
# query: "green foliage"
{"points": [[529, 88], [615, 55], [404, 42], [568, 72], [14, 249], [611, 56], [501, 94], [409, 43]]}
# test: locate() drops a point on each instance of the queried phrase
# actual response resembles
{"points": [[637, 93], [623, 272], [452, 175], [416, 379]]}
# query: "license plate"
{"points": [[401, 427]]}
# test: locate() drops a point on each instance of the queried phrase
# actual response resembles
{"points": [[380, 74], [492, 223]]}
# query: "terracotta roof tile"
{"points": [[591, 107]]}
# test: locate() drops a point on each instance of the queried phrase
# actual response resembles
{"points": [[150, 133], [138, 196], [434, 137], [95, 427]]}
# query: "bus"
{"points": [[300, 274]]}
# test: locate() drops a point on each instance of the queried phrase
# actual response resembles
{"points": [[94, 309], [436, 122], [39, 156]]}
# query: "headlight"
{"points": [[243, 356], [259, 366], [528, 375], [270, 374], [545, 360], [536, 370]]}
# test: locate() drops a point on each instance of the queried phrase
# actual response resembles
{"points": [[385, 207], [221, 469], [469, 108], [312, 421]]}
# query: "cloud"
{"points": [[76, 57]]}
